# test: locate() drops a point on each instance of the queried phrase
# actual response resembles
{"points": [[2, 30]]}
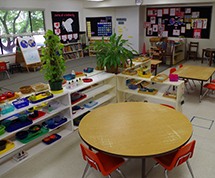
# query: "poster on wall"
{"points": [[66, 25], [29, 50]]}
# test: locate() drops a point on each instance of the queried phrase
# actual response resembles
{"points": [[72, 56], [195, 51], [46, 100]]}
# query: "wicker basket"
{"points": [[25, 89]]}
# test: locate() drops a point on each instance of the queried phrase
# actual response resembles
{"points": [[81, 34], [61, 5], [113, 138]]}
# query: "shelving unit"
{"points": [[178, 53], [36, 145], [73, 51], [126, 94], [102, 90], [91, 42]]}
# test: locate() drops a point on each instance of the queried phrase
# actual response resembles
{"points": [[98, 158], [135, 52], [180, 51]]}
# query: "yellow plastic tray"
{"points": [[10, 145]]}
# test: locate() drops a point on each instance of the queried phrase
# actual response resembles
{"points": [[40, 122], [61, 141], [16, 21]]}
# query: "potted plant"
{"points": [[114, 53], [53, 61]]}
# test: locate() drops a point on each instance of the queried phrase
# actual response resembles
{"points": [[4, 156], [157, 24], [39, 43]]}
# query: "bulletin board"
{"points": [[66, 25], [189, 22], [99, 26]]}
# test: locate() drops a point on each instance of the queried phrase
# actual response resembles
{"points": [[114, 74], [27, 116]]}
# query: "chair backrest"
{"points": [[91, 158], [184, 153], [172, 70], [194, 46], [3, 66], [169, 106], [181, 65]]}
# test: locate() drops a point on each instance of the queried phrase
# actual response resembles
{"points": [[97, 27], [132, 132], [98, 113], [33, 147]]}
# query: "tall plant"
{"points": [[113, 53], [52, 58]]}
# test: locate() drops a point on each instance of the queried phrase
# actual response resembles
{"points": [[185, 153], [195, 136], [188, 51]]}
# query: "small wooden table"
{"points": [[200, 73], [210, 51], [154, 65], [135, 129]]}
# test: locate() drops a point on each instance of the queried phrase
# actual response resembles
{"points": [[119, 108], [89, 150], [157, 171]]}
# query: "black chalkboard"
{"points": [[172, 20]]}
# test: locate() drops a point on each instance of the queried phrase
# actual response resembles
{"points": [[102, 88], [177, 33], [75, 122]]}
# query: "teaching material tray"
{"points": [[40, 97], [32, 136], [10, 145], [51, 139]]}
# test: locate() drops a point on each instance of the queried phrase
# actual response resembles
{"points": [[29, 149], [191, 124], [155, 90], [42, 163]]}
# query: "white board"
{"points": [[29, 50]]}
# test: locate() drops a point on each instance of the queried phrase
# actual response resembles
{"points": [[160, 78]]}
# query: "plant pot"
{"points": [[56, 86], [112, 69]]}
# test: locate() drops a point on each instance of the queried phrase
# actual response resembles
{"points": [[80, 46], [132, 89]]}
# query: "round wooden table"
{"points": [[135, 129]]}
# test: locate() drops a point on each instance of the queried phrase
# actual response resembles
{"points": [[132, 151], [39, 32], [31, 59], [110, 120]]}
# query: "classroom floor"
{"points": [[64, 160]]}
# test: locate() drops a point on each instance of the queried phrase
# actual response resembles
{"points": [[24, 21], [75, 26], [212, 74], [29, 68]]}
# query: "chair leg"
{"points": [[7, 74], [120, 172], [109, 176], [194, 83], [155, 165], [189, 167], [85, 170], [166, 173]]}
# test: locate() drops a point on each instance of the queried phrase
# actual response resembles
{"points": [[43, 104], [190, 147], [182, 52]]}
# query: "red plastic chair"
{"points": [[172, 70], [104, 163], [176, 158], [3, 68], [168, 106], [209, 87]]}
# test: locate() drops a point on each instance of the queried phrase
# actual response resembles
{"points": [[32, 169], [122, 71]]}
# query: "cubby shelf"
{"points": [[102, 89], [126, 94], [73, 51], [105, 88]]}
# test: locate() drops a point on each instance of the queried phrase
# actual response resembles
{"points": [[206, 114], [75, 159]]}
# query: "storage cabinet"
{"points": [[33, 144], [166, 92], [178, 53], [73, 51], [100, 91]]}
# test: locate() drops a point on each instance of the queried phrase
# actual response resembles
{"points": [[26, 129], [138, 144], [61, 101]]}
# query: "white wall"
{"points": [[203, 43], [135, 15], [130, 28]]}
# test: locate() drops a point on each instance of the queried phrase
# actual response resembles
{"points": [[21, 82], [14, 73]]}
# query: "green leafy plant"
{"points": [[52, 58], [113, 53]]}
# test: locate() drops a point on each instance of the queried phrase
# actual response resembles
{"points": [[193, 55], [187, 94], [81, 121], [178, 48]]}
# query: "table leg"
{"points": [[201, 89], [210, 62], [203, 51], [143, 167]]}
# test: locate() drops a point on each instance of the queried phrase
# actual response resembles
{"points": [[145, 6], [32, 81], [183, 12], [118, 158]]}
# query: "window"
{"points": [[15, 23]]}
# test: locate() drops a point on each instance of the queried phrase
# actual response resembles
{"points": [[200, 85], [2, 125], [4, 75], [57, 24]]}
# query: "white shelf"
{"points": [[102, 90], [158, 95], [30, 105], [100, 101], [47, 115], [9, 164], [124, 92]]}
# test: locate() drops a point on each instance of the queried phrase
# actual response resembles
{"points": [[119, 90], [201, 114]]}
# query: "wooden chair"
{"points": [[176, 158], [192, 52], [104, 163]]}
